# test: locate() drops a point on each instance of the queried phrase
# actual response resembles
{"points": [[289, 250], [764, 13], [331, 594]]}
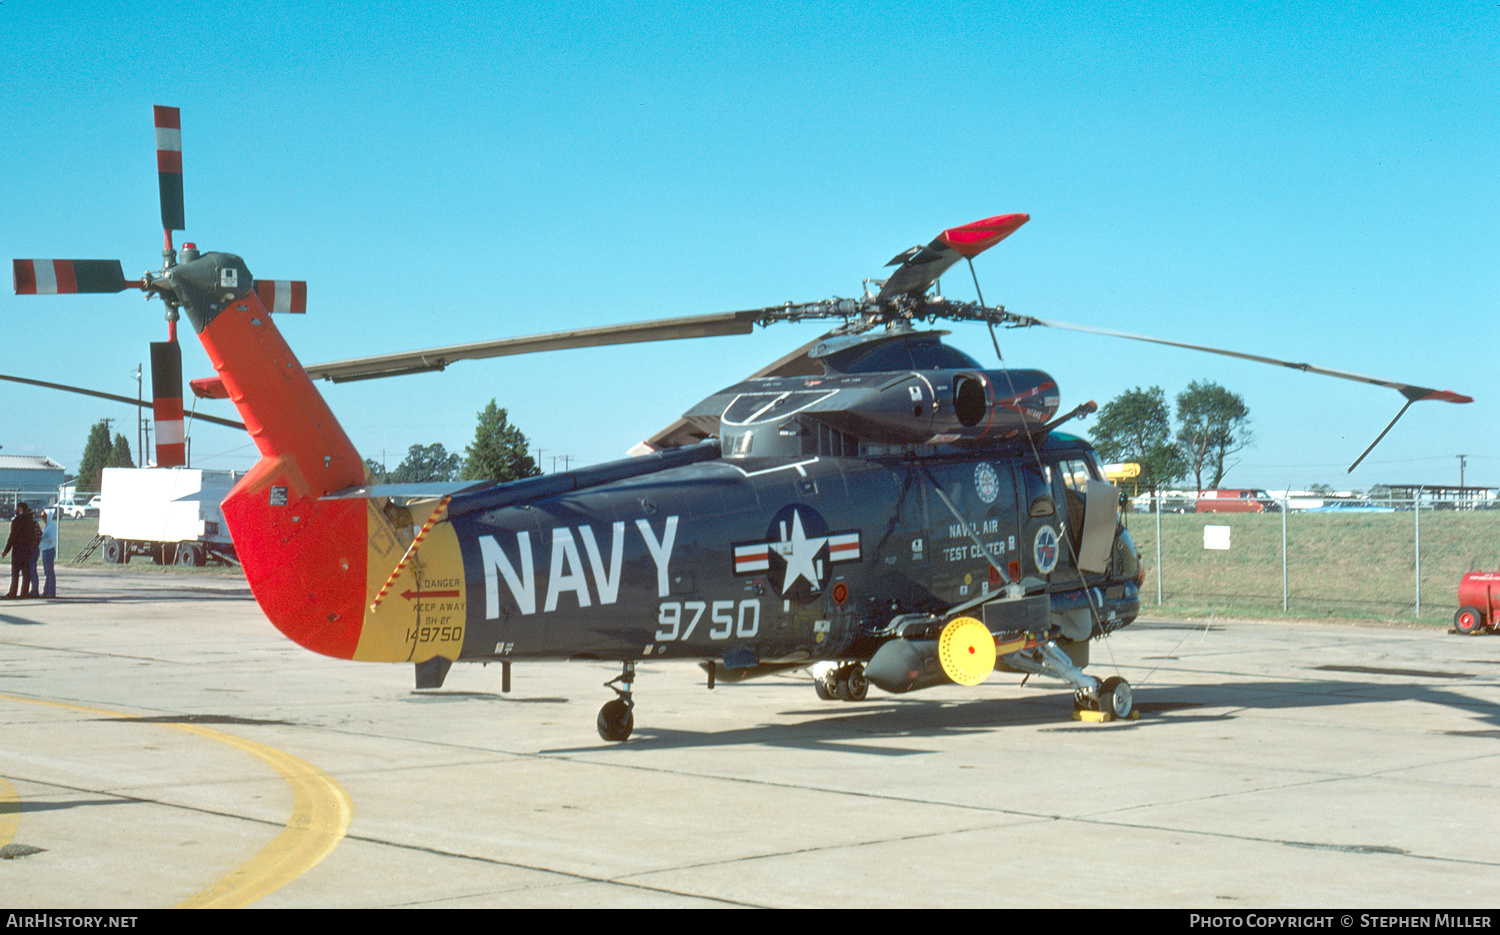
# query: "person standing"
{"points": [[48, 548], [21, 547]]}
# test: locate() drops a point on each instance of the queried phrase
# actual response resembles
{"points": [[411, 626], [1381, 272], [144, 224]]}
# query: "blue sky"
{"points": [[1313, 181]]}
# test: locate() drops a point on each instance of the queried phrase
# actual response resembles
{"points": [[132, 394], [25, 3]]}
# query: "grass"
{"points": [[73, 535], [1359, 566]]}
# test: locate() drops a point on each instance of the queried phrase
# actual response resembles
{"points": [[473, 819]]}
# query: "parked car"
{"points": [[1350, 506]]}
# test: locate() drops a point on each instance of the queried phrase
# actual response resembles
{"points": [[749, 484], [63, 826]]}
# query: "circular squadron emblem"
{"points": [[986, 482], [1044, 549]]}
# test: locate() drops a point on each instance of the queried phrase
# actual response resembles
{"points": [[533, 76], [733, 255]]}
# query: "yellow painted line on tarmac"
{"points": [[321, 813]]}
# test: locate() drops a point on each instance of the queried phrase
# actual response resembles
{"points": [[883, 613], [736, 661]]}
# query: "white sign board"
{"points": [[1216, 537]]}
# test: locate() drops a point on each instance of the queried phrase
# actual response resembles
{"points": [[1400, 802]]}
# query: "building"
{"points": [[32, 478]]}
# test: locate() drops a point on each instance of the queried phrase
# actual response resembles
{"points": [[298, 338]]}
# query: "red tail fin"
{"points": [[304, 559]]}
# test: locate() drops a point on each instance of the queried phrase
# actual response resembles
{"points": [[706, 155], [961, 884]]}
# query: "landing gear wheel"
{"points": [[616, 720], [826, 686], [1469, 621], [853, 686], [1116, 698]]}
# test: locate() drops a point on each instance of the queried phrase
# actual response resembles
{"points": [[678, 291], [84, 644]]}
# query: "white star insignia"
{"points": [[800, 554]]}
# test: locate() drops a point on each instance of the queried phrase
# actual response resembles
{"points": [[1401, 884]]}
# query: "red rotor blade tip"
{"points": [[1448, 396], [970, 240]]}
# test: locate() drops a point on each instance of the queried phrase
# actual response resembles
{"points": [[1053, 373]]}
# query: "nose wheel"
{"points": [[617, 718]]}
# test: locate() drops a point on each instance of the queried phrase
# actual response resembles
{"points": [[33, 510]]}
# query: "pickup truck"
{"points": [[73, 509]]}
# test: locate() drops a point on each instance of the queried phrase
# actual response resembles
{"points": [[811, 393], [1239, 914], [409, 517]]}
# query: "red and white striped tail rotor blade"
{"points": [[169, 166], [282, 296], [166, 406], [61, 277]]}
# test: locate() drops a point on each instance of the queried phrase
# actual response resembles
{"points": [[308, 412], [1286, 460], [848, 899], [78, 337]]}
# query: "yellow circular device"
{"points": [[966, 651]]}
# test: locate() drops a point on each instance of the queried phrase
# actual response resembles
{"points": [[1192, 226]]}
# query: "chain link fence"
{"points": [[1401, 563], [36, 498]]}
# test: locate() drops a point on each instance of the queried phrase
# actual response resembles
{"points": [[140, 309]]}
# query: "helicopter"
{"points": [[876, 505]]}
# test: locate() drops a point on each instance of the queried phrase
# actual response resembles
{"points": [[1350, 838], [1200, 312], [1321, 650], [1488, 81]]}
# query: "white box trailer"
{"points": [[172, 515]]}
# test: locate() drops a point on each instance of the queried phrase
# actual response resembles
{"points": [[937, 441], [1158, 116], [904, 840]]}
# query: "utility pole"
{"points": [[1462, 461], [140, 418]]}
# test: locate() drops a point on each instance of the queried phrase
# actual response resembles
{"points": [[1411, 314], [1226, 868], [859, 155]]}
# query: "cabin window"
{"points": [[1037, 486], [831, 443]]}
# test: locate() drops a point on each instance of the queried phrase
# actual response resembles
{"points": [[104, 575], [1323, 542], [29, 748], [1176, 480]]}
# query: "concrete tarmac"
{"points": [[164, 745]]}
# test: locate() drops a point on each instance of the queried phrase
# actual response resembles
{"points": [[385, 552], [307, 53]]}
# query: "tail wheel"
{"points": [[1468, 621], [616, 721]]}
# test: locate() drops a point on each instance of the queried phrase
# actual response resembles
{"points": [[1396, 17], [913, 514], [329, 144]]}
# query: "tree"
{"points": [[500, 452], [1214, 424], [119, 453], [425, 463], [96, 453], [1137, 426]]}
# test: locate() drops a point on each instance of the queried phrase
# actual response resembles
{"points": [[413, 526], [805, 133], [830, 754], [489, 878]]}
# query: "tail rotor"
{"points": [[62, 277]]}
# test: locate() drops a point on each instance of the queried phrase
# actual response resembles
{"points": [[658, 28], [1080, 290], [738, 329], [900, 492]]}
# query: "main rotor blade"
{"points": [[669, 329], [921, 266], [227, 423], [60, 277], [1412, 393]]}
